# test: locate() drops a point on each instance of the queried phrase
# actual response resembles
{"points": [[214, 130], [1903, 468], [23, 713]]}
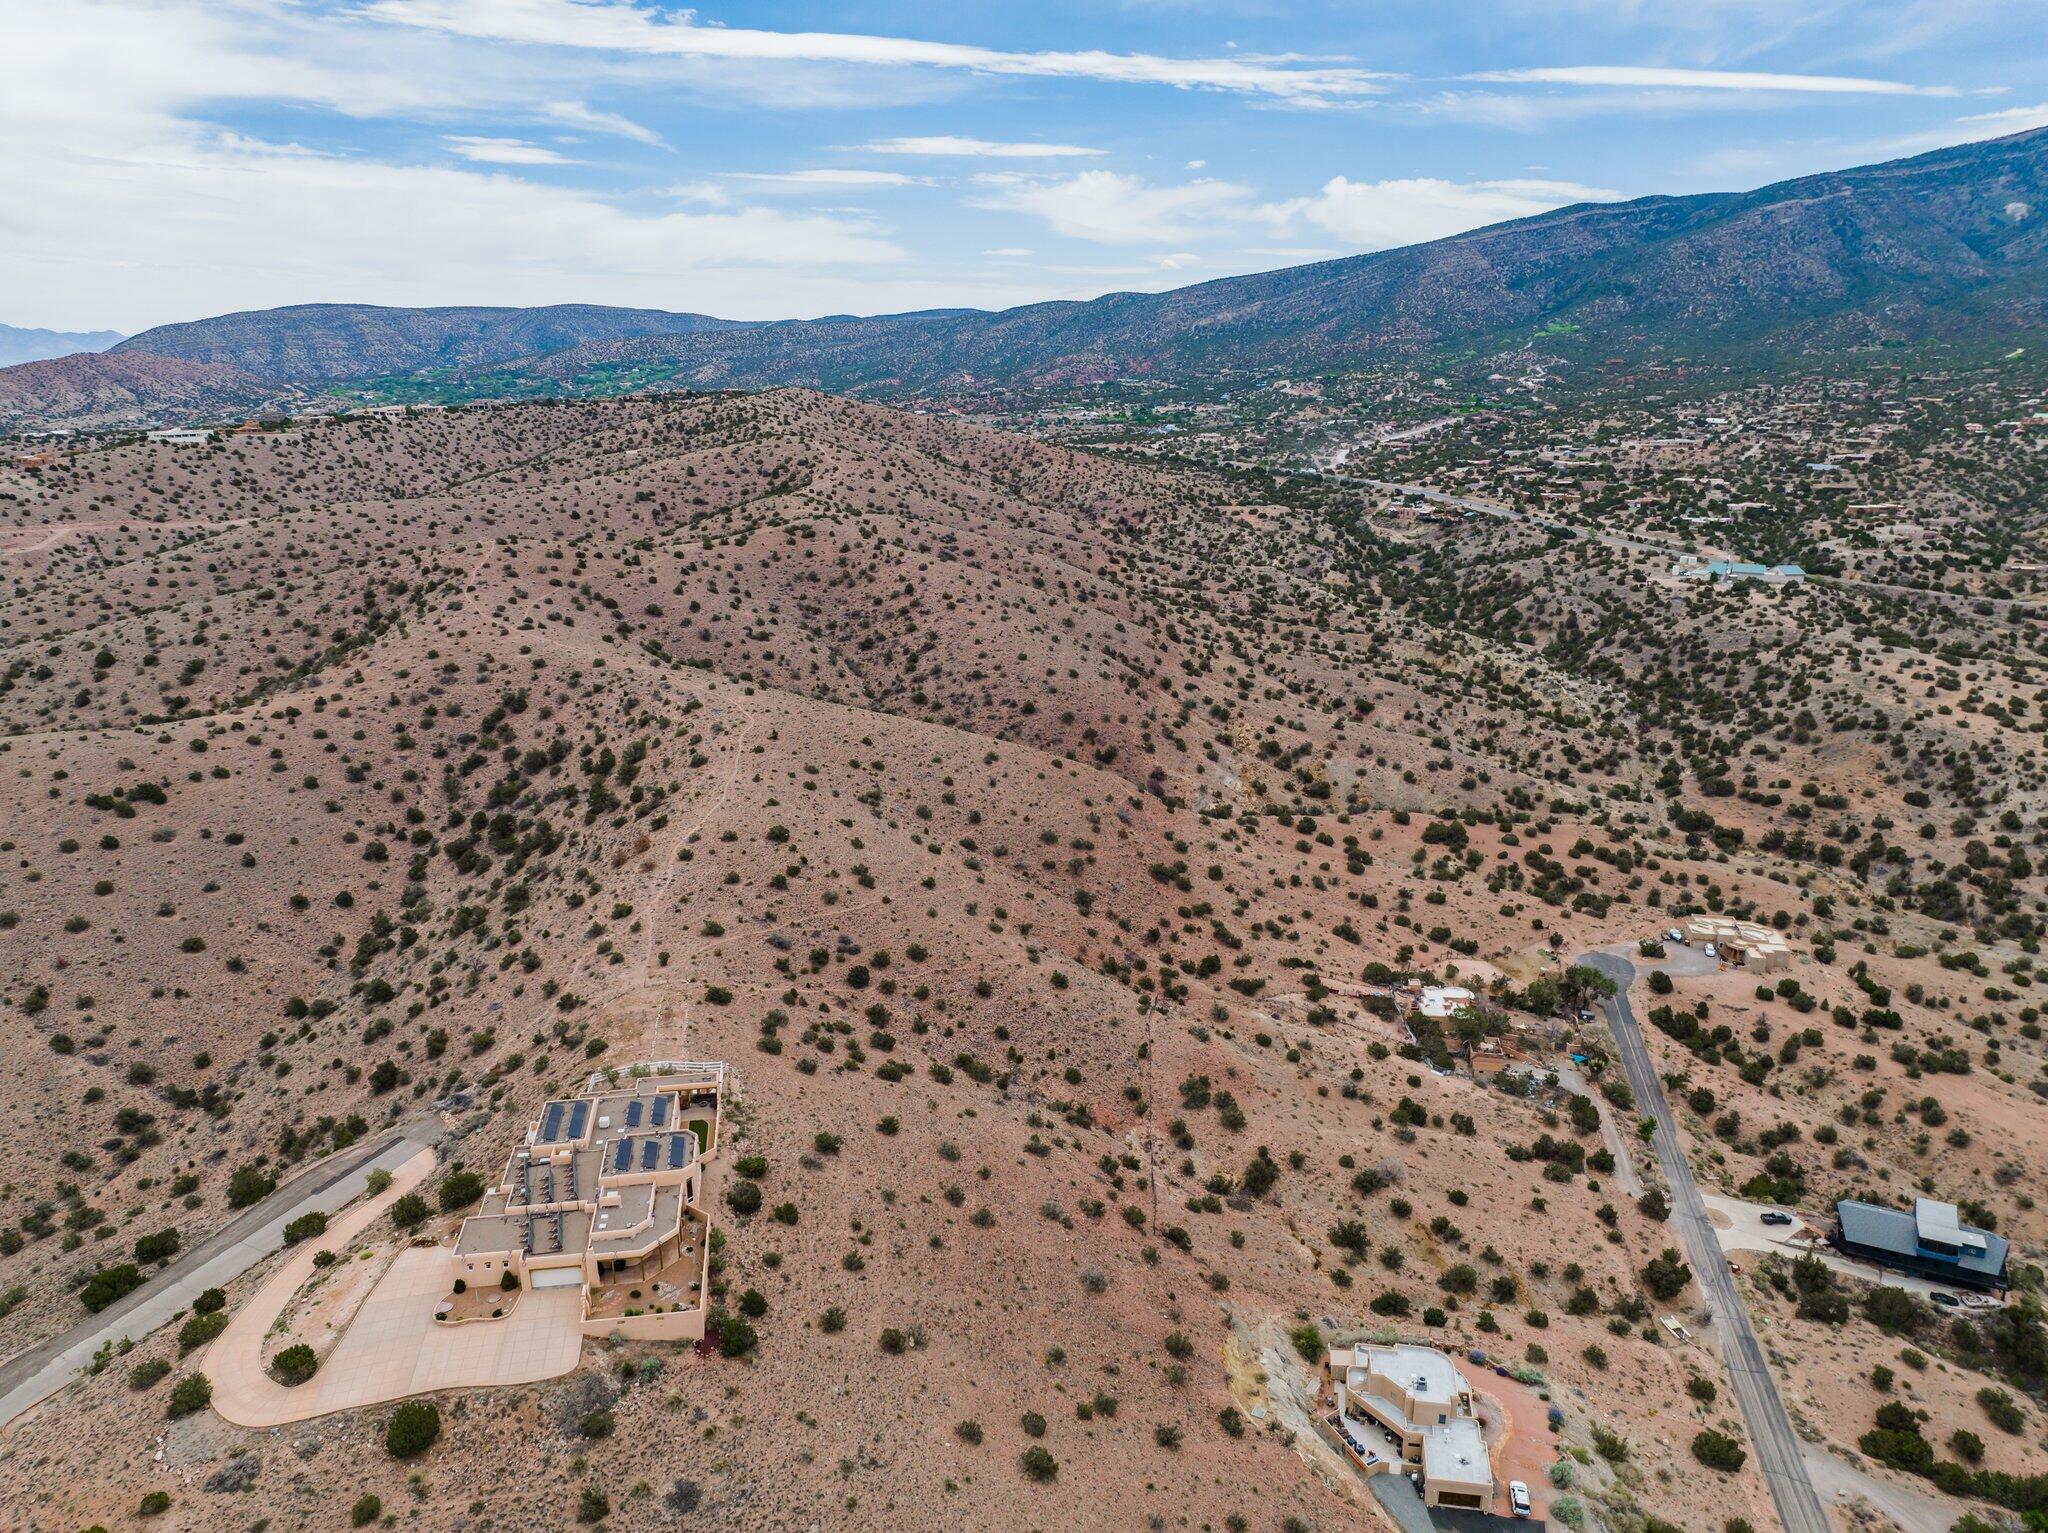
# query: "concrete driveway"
{"points": [[252, 1237], [1738, 1226], [394, 1347]]}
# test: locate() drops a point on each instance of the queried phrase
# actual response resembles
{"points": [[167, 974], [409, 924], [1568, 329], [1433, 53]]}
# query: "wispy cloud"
{"points": [[1109, 208], [578, 114], [825, 179], [1647, 77], [504, 151], [952, 146], [620, 26]]}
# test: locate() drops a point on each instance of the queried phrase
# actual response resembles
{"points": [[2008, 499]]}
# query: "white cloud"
{"points": [[1376, 215], [2014, 119], [1113, 209], [947, 145], [503, 151], [824, 179], [1635, 77], [578, 114], [1108, 208], [620, 26]]}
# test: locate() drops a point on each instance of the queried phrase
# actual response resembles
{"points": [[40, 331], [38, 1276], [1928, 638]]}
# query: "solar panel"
{"points": [[675, 1151], [660, 1111], [552, 1123], [621, 1156], [578, 1116], [633, 1114], [648, 1151]]}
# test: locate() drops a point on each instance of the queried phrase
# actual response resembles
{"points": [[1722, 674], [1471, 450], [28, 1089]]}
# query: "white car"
{"points": [[1674, 935], [1518, 1498], [1709, 951]]}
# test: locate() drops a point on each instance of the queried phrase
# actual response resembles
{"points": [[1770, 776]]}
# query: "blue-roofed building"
{"points": [[1929, 1241]]}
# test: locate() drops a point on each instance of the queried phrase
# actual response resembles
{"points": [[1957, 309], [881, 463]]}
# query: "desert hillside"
{"points": [[1043, 839]]}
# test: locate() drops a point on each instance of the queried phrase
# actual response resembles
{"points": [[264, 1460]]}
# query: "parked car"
{"points": [[1585, 1015], [1777, 1216], [1709, 951], [1518, 1498], [1675, 935], [1946, 1300]]}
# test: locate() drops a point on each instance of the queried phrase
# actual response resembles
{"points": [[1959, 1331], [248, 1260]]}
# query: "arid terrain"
{"points": [[1043, 837]]}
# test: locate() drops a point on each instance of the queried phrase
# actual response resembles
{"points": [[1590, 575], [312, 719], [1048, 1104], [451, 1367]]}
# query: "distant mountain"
{"points": [[1947, 247], [1951, 245], [18, 345], [104, 389], [328, 342]]}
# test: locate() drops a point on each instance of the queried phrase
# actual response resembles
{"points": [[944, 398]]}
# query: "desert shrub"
{"points": [[209, 1301], [305, 1227], [295, 1364], [410, 1211], [1719, 1451], [161, 1246], [109, 1284], [414, 1427], [969, 1432], [194, 1392], [1999, 1406], [368, 1508], [198, 1330], [250, 1185], [147, 1372], [744, 1197], [1308, 1341], [461, 1190], [1038, 1464], [154, 1503], [1666, 1274]]}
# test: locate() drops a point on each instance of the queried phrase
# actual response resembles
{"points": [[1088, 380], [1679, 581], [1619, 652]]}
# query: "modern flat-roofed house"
{"points": [[1929, 1242], [607, 1193], [1418, 1395]]}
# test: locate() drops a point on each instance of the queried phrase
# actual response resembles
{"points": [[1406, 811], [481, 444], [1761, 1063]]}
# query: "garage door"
{"points": [[557, 1277]]}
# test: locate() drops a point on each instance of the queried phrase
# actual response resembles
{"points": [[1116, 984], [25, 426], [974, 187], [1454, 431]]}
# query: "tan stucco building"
{"points": [[1409, 1410], [607, 1194]]}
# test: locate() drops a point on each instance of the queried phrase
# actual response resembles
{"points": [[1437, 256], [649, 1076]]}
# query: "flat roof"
{"points": [[1456, 1452]]}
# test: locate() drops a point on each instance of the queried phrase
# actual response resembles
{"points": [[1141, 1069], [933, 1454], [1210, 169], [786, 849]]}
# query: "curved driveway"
{"points": [[1778, 1450], [393, 1348]]}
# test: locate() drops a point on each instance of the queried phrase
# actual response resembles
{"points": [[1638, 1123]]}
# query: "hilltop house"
{"points": [[1409, 1409], [607, 1193], [1930, 1242]]}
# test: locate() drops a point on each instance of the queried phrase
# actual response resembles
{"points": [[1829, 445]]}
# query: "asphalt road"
{"points": [[1777, 1447], [30, 1377]]}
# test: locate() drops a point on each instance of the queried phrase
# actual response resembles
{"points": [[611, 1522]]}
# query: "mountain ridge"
{"points": [[1950, 246]]}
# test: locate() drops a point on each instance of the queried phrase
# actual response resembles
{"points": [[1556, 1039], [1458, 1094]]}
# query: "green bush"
{"points": [[250, 1185], [1308, 1341], [209, 1301], [410, 1211], [194, 1392], [414, 1427], [154, 1503], [305, 1227], [161, 1246], [198, 1330], [109, 1284], [148, 1372], [295, 1364], [1719, 1451], [1038, 1464], [368, 1508], [461, 1190], [744, 1197]]}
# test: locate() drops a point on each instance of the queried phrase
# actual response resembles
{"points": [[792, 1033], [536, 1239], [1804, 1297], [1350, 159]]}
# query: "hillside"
{"points": [[103, 389], [1041, 838], [323, 342]]}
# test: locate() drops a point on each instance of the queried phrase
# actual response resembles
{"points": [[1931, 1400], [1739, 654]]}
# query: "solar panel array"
{"points": [[551, 1124], [579, 1114], [650, 1150], [633, 1114], [677, 1151], [660, 1111], [621, 1154]]}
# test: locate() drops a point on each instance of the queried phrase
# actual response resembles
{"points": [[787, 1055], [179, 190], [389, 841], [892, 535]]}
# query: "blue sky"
{"points": [[165, 159]]}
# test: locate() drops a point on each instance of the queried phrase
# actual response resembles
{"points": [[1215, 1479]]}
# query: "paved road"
{"points": [[1778, 1450], [32, 1376]]}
